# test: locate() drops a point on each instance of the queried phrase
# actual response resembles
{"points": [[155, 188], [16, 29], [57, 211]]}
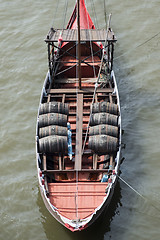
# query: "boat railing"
{"points": [[76, 170], [90, 35]]}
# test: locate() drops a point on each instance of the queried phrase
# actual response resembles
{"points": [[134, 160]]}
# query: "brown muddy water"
{"points": [[23, 66]]}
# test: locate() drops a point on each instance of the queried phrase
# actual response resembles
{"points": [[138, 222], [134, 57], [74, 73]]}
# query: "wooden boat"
{"points": [[78, 134]]}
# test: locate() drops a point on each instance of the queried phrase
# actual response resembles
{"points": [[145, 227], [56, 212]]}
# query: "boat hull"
{"points": [[78, 226], [88, 221], [77, 173]]}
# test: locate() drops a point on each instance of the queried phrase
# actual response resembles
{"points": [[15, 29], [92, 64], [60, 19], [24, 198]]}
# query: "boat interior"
{"points": [[64, 88], [78, 122]]}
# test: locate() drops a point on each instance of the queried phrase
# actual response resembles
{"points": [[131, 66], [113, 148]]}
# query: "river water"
{"points": [[23, 66]]}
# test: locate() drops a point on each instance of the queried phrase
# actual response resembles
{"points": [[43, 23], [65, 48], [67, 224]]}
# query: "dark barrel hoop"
{"points": [[103, 118], [54, 107], [104, 129], [105, 107], [53, 144], [103, 144], [53, 130], [52, 119]]}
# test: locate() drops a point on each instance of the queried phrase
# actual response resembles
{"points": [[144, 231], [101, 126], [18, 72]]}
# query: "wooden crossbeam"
{"points": [[45, 170], [74, 80], [60, 162], [74, 170], [95, 157], [71, 35], [79, 127], [83, 90]]}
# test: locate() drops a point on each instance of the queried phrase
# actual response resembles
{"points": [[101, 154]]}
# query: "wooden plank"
{"points": [[95, 157], [79, 126], [74, 171], [60, 162], [84, 113], [45, 169], [49, 98], [44, 162], [74, 80], [110, 98], [90, 195], [111, 163], [96, 98], [63, 98], [71, 35], [83, 90]]}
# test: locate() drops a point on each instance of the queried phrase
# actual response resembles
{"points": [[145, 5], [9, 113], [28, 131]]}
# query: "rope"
{"points": [[95, 89], [55, 14], [105, 13], [76, 195], [140, 45], [65, 13], [148, 40], [91, 46], [144, 198], [77, 87], [131, 187], [94, 13], [96, 85]]}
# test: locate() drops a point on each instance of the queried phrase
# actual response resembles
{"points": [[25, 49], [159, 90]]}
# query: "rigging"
{"points": [[140, 45], [96, 85]]}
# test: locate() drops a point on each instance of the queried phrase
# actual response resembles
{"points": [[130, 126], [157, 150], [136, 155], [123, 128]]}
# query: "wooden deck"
{"points": [[71, 35], [67, 200], [84, 90]]}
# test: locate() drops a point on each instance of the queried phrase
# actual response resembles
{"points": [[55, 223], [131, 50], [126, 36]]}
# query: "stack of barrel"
{"points": [[53, 127], [103, 133]]}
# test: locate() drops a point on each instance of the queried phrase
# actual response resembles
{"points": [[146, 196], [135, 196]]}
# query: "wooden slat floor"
{"points": [[64, 197], [71, 35]]}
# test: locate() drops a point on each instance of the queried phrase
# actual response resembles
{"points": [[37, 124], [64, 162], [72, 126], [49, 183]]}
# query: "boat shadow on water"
{"points": [[97, 230]]}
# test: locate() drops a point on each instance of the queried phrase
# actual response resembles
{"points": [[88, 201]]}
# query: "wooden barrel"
{"points": [[54, 107], [103, 144], [53, 130], [53, 144], [52, 119], [105, 107], [104, 130], [103, 118]]}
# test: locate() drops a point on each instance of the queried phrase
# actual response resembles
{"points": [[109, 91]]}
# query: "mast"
{"points": [[79, 44]]}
